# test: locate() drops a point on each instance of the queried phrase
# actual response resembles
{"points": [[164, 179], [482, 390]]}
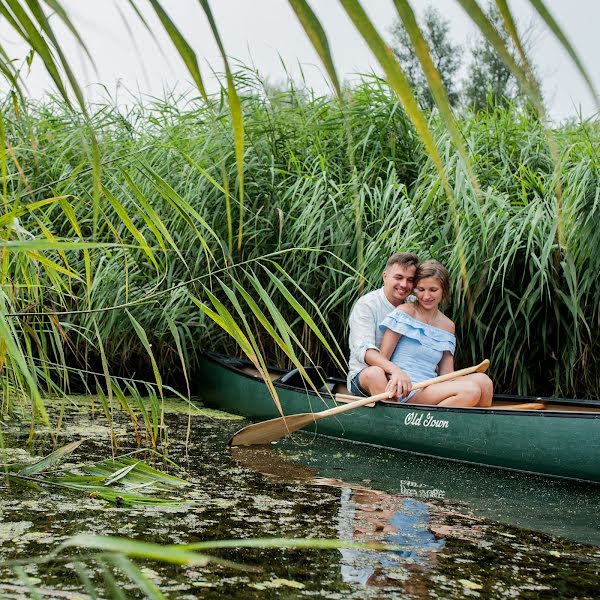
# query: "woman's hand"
{"points": [[399, 384]]}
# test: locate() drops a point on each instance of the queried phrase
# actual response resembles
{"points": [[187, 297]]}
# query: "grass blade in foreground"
{"points": [[237, 119], [185, 50], [316, 34], [434, 81], [186, 554]]}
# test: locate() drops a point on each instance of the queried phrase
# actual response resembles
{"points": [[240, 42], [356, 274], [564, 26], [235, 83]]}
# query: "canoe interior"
{"points": [[333, 386]]}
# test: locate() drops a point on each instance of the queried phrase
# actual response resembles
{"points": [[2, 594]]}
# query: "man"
{"points": [[369, 372]]}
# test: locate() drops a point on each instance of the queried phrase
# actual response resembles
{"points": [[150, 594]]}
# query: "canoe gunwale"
{"points": [[227, 362]]}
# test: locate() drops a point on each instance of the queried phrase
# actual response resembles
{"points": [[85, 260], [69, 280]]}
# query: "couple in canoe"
{"points": [[395, 344]]}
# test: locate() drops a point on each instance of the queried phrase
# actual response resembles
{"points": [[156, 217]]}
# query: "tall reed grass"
{"points": [[317, 171]]}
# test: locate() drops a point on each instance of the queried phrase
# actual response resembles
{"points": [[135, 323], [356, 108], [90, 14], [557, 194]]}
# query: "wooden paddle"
{"points": [[274, 429]]}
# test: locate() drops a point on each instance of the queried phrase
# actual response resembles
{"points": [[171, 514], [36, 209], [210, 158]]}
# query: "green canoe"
{"points": [[555, 437]]}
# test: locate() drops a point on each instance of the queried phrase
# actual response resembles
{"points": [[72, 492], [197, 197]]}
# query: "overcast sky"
{"points": [[266, 33]]}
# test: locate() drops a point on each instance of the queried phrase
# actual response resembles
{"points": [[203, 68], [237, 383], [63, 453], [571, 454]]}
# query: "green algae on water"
{"points": [[319, 491]]}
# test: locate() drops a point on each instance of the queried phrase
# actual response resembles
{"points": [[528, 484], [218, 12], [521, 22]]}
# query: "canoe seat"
{"points": [[526, 406], [296, 379]]}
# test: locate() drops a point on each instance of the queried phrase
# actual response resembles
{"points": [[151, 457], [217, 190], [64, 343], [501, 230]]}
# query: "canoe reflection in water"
{"points": [[370, 516]]}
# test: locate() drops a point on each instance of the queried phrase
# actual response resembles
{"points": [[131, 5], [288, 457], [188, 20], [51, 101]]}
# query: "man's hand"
{"points": [[399, 384]]}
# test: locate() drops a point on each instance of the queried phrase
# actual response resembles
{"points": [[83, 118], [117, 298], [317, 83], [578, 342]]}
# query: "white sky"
{"points": [[265, 33]]}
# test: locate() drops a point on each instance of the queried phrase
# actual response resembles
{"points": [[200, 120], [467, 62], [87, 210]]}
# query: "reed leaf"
{"points": [[27, 582], [50, 460], [396, 78], [138, 549], [182, 46], [113, 587], [434, 80], [306, 317], [134, 574], [85, 579], [316, 34], [147, 346], [22, 24], [527, 82], [237, 120]]}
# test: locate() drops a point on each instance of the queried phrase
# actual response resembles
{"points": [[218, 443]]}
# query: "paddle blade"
{"points": [[482, 367], [266, 432]]}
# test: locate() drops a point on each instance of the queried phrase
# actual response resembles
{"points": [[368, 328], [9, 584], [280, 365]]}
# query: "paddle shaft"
{"points": [[481, 367]]}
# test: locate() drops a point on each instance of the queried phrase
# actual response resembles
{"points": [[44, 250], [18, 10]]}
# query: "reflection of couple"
{"points": [[368, 516], [394, 344]]}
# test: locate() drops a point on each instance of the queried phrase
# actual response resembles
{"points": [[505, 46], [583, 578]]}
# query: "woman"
{"points": [[420, 340]]}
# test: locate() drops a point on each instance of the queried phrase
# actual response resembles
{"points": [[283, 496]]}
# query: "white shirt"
{"points": [[368, 312]]}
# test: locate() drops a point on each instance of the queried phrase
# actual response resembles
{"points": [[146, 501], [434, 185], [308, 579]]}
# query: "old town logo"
{"points": [[421, 420]]}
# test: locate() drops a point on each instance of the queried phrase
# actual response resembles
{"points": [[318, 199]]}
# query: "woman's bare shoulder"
{"points": [[443, 322]]}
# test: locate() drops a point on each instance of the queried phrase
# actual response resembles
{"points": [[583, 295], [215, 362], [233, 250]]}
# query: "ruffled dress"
{"points": [[420, 347]]}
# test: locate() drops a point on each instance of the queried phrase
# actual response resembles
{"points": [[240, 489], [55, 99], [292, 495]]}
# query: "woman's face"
{"points": [[428, 292]]}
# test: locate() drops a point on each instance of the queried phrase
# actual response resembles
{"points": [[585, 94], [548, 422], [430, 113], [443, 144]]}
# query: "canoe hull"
{"points": [[561, 444]]}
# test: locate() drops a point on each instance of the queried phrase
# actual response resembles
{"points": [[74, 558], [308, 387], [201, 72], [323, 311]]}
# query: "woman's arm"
{"points": [[446, 365], [388, 343], [399, 383]]}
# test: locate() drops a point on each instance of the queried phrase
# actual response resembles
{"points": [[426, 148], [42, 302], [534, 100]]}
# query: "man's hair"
{"points": [[404, 259], [435, 269]]}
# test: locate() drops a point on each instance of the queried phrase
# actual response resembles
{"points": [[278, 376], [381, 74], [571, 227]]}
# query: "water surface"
{"points": [[456, 530]]}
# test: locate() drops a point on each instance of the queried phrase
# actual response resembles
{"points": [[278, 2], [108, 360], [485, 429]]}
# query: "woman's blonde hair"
{"points": [[433, 268]]}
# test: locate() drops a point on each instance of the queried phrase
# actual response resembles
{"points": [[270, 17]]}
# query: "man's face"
{"points": [[398, 283]]}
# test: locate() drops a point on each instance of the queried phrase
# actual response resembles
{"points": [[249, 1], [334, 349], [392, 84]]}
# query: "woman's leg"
{"points": [[485, 385], [373, 380], [458, 392]]}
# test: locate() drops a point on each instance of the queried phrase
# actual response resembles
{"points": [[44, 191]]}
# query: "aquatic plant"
{"points": [[122, 480], [287, 296], [109, 561]]}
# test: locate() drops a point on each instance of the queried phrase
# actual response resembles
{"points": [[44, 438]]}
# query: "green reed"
{"points": [[169, 202]]}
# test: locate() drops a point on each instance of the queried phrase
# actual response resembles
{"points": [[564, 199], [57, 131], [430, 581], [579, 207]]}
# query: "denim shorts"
{"points": [[355, 388]]}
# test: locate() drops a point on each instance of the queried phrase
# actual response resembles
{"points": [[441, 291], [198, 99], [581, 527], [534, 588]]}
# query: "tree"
{"points": [[445, 55], [489, 82]]}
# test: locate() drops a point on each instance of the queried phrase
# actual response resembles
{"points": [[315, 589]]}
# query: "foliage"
{"points": [[105, 564], [300, 186], [118, 227], [533, 306], [123, 480], [489, 81], [445, 53]]}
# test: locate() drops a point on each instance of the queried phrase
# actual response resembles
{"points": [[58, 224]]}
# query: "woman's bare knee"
{"points": [[486, 388], [473, 392], [373, 380], [468, 394]]}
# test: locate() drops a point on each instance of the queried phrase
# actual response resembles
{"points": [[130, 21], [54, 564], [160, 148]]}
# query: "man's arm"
{"points": [[362, 330], [446, 365], [363, 327]]}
